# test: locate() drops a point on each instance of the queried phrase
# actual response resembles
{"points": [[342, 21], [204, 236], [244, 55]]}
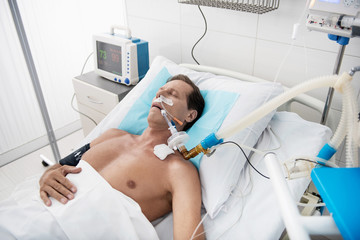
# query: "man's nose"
{"points": [[160, 92]]}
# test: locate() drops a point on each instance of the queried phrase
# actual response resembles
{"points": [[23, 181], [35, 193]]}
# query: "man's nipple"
{"points": [[131, 184]]}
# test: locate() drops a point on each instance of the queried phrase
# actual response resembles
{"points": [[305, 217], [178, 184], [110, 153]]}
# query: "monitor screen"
{"points": [[109, 57]]}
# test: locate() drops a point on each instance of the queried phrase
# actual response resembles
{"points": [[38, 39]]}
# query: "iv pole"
{"points": [[34, 77], [343, 41]]}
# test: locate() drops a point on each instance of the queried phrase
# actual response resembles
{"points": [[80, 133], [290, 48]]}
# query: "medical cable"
{"points": [[197, 227], [293, 38], [318, 161], [247, 159], [72, 99], [283, 61], [126, 19], [72, 105], [236, 192], [192, 50], [238, 219], [261, 152], [87, 59]]}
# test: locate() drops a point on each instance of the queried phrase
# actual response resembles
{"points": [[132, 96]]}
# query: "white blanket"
{"points": [[97, 212]]}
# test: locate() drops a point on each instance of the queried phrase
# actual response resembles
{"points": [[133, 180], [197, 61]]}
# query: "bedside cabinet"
{"points": [[96, 97]]}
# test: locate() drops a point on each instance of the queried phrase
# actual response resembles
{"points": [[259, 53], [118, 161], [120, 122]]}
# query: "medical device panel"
{"points": [[337, 17], [122, 59]]}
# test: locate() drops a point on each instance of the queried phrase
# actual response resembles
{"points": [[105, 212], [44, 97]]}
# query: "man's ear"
{"points": [[191, 115]]}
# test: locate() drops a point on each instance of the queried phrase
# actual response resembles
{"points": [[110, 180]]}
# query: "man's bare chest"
{"points": [[134, 171]]}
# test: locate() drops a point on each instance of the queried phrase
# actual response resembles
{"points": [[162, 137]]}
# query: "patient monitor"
{"points": [[337, 17], [120, 58]]}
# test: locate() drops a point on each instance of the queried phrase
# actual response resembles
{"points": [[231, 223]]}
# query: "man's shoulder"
{"points": [[178, 165], [183, 176], [114, 132]]}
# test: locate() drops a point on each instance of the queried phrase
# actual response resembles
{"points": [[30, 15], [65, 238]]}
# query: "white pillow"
{"points": [[220, 172]]}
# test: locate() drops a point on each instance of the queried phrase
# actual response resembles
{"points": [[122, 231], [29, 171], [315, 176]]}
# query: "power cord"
{"points": [[192, 50]]}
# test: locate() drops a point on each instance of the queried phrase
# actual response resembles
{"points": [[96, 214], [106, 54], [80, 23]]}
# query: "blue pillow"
{"points": [[217, 105], [135, 122]]}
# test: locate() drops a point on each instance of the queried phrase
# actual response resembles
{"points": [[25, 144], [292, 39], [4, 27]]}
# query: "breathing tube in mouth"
{"points": [[169, 102], [175, 141]]}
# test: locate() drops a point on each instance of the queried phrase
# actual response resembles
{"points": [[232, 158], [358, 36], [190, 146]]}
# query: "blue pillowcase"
{"points": [[217, 105], [135, 122]]}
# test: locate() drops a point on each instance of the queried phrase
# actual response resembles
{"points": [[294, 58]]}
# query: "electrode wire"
{"points": [[197, 227], [247, 159]]}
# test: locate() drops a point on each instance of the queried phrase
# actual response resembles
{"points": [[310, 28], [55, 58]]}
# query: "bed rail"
{"points": [[297, 226]]}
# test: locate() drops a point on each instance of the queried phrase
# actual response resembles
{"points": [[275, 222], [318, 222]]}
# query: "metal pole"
{"points": [[331, 90], [33, 74], [288, 209]]}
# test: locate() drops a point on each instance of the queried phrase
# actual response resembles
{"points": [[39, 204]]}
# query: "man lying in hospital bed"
{"points": [[225, 178]]}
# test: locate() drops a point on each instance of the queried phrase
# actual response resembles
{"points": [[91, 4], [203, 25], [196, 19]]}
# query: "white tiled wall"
{"points": [[245, 42]]}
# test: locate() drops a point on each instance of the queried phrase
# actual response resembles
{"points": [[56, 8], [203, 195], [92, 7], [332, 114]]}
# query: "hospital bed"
{"points": [[238, 201]]}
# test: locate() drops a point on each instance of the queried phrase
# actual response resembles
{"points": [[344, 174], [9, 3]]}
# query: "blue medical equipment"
{"points": [[122, 59], [341, 199]]}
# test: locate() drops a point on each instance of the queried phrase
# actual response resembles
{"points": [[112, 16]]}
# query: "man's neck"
{"points": [[155, 137]]}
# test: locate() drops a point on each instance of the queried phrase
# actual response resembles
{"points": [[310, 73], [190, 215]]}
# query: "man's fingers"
{"points": [[66, 183], [54, 184], [45, 198], [55, 194], [62, 189], [69, 169]]}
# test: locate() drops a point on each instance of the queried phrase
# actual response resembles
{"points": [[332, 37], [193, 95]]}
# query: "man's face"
{"points": [[177, 91]]}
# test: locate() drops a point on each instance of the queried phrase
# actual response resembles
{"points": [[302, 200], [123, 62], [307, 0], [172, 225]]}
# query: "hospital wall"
{"points": [[249, 43], [60, 39]]}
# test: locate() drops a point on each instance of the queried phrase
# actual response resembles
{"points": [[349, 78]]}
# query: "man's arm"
{"points": [[54, 182], [186, 201]]}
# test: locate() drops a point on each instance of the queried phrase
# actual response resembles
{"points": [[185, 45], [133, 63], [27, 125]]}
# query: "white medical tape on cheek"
{"points": [[164, 100]]}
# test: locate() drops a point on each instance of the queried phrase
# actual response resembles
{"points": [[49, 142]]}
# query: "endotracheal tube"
{"points": [[171, 124], [177, 139], [169, 102]]}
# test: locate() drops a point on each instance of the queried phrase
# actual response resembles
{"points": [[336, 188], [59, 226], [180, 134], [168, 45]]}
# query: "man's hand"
{"points": [[55, 184]]}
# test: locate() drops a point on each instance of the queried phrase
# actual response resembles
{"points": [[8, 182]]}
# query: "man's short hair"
{"points": [[194, 100]]}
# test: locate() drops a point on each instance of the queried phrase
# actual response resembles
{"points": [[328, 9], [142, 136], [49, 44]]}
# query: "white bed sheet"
{"points": [[98, 211]]}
